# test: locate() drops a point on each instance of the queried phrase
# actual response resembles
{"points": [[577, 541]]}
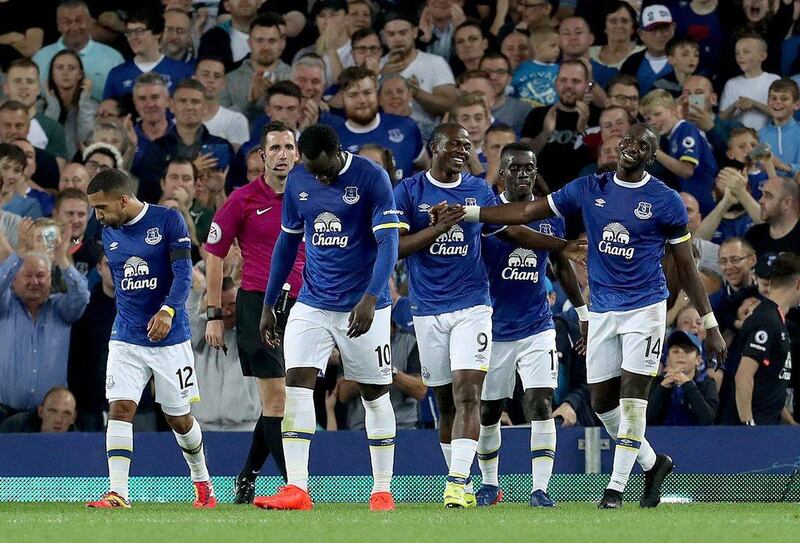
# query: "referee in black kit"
{"points": [[766, 365], [252, 216]]}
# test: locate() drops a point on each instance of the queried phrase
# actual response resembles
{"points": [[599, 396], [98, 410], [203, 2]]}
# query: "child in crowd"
{"points": [[745, 97], [683, 55], [748, 153], [534, 80], [782, 134], [689, 156], [12, 192], [470, 111]]}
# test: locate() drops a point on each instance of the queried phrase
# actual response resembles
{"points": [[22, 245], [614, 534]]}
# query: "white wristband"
{"points": [[583, 313], [472, 213], [710, 321]]}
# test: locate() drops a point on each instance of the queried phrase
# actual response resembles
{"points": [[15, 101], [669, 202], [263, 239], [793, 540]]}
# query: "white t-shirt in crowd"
{"points": [[755, 88], [230, 125], [239, 46]]}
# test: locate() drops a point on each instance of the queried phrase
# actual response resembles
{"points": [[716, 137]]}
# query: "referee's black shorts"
{"points": [[257, 359]]}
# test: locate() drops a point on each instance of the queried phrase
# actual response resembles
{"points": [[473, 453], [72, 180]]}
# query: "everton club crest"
{"points": [[153, 236], [644, 210], [351, 195]]}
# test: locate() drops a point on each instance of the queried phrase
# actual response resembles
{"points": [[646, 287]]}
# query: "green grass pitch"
{"points": [[580, 522]]}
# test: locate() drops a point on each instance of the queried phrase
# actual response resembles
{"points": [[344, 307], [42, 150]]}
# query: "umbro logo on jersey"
{"points": [[303, 196], [599, 202], [113, 246], [424, 208], [262, 211]]}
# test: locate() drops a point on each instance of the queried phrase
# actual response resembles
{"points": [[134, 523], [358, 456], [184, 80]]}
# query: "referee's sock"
{"points": [[273, 437], [259, 450], [299, 425], [381, 429]]}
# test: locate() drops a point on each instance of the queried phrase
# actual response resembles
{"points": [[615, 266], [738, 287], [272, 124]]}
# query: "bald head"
{"points": [[74, 176], [692, 209], [32, 282]]}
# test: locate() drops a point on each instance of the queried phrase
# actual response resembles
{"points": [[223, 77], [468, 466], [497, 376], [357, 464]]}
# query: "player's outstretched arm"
{"points": [[525, 237], [689, 279], [442, 219], [512, 213], [283, 258]]}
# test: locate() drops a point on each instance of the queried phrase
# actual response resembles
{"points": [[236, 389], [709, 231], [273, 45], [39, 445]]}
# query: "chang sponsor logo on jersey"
{"points": [[136, 275], [451, 243], [615, 240], [327, 231], [522, 264]]}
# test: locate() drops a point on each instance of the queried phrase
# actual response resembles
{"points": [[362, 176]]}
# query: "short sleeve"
{"points": [[756, 340], [291, 220], [674, 219], [440, 73], [569, 199], [688, 145], [403, 204], [384, 211], [177, 234], [225, 227]]}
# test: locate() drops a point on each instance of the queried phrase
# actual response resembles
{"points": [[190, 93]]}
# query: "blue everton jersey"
{"points": [[627, 225], [399, 134], [338, 221], [449, 275], [688, 143], [121, 78], [139, 255], [516, 284]]}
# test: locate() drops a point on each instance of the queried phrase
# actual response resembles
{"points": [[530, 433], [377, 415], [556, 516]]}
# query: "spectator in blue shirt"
{"points": [[35, 322], [656, 30], [782, 133]]}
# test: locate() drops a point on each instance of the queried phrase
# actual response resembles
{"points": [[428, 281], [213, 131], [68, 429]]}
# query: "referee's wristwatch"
{"points": [[214, 313]]}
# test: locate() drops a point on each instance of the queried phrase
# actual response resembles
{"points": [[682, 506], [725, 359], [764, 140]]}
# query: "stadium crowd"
{"points": [[177, 93]]}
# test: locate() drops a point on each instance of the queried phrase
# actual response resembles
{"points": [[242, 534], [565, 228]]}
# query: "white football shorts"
{"points": [[534, 357]]}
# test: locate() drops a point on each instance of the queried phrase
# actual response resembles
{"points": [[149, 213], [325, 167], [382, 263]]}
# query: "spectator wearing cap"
{"points": [[780, 231], [143, 31], [219, 120], [187, 138], [74, 23], [656, 29], [56, 413], [430, 78], [245, 87], [407, 389], [682, 396]]}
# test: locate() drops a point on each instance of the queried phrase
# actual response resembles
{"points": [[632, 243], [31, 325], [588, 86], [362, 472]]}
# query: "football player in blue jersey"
{"points": [[149, 254], [523, 334], [344, 206], [449, 293], [629, 217]]}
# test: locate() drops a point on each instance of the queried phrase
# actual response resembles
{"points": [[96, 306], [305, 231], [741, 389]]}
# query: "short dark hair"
{"points": [[501, 127], [575, 62], [352, 75], [469, 22], [23, 62], [268, 19], [400, 16], [785, 84], [182, 161], [111, 181], [440, 132], [189, 83], [623, 79], [13, 153], [273, 126], [494, 55], [516, 146], [285, 88], [151, 19], [785, 269], [472, 74], [362, 33], [13, 105], [318, 139], [70, 194], [677, 42]]}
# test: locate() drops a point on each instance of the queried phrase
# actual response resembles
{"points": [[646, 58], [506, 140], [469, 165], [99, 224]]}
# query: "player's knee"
{"points": [[124, 410], [180, 424], [541, 409], [491, 412], [272, 393]]}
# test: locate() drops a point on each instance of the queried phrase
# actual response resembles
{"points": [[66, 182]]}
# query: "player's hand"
{"points": [[567, 414], [159, 326], [580, 345], [267, 327], [715, 346], [361, 316], [215, 334], [576, 250]]}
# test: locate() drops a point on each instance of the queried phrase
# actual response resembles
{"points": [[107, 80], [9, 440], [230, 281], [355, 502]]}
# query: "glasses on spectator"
{"points": [[368, 49], [625, 97], [135, 32], [735, 260], [96, 166]]}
